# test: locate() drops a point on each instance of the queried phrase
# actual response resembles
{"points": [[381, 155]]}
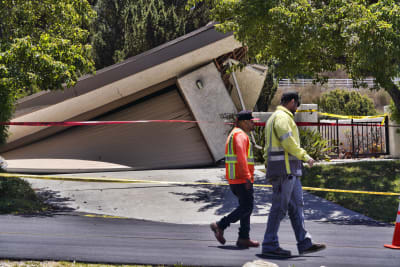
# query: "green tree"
{"points": [[125, 28], [43, 46], [311, 37], [346, 102], [193, 18], [395, 114], [269, 89]]}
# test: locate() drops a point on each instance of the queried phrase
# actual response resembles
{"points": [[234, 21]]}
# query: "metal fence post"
{"points": [[352, 138], [337, 137], [387, 135]]}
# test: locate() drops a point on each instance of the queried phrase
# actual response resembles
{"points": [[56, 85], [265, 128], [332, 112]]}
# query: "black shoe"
{"points": [[314, 248], [277, 253]]}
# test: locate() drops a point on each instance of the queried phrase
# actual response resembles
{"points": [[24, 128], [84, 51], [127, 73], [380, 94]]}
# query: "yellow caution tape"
{"points": [[70, 178], [355, 117], [347, 116], [116, 180], [351, 191], [307, 110]]}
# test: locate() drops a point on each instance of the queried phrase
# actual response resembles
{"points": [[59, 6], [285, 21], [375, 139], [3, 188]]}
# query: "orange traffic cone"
{"points": [[396, 236]]}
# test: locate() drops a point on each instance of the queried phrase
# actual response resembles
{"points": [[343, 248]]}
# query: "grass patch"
{"points": [[17, 196], [382, 176]]}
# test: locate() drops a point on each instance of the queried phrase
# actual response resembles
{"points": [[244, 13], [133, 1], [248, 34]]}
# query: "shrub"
{"points": [[311, 141], [346, 103], [314, 144], [16, 195], [259, 136]]}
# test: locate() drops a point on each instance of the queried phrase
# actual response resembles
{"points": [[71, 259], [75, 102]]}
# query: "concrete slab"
{"points": [[250, 81], [208, 99], [61, 166]]}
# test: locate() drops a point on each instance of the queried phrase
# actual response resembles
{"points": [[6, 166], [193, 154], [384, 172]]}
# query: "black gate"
{"points": [[356, 139]]}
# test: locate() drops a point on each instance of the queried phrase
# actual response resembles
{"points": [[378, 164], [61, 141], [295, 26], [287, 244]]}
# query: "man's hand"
{"points": [[310, 162], [248, 185]]}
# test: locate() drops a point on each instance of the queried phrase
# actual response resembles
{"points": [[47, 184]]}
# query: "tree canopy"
{"points": [[44, 45], [125, 28], [311, 37]]}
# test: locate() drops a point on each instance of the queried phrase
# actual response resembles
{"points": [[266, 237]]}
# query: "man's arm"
{"points": [[289, 144]]}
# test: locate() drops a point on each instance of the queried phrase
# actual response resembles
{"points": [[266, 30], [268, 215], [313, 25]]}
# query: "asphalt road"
{"points": [[76, 237], [168, 224]]}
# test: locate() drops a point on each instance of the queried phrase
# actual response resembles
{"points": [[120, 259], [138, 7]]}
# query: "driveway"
{"points": [[175, 203]]}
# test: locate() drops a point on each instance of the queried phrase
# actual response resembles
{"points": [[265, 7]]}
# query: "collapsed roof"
{"points": [[160, 84]]}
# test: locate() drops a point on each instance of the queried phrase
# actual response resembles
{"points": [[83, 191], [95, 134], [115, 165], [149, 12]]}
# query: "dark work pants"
{"points": [[287, 197], [242, 212]]}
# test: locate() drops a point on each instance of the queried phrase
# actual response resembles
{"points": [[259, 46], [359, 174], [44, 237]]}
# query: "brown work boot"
{"points": [[218, 232], [247, 243]]}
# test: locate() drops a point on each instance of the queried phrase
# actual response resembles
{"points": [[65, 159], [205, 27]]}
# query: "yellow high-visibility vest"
{"points": [[231, 162]]}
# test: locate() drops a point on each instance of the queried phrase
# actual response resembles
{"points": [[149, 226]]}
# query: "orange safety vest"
{"points": [[231, 162]]}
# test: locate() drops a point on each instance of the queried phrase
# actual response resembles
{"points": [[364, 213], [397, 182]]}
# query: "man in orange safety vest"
{"points": [[239, 166]]}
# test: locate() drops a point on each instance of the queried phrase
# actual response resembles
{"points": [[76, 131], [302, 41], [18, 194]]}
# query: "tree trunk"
{"points": [[394, 92]]}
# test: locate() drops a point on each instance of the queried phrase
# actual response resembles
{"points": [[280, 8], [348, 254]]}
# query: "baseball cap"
{"points": [[244, 115], [286, 97]]}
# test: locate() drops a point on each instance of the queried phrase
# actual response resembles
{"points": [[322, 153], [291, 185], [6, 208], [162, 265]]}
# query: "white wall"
{"points": [[394, 138]]}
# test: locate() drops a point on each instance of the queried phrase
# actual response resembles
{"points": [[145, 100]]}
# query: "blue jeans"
{"points": [[242, 212], [287, 196]]}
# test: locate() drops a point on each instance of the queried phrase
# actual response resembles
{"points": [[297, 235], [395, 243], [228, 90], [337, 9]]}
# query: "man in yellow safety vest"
{"points": [[284, 161], [239, 166]]}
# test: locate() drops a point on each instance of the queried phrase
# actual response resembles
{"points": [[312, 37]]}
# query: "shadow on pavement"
{"points": [[229, 247], [298, 257], [54, 201], [315, 208]]}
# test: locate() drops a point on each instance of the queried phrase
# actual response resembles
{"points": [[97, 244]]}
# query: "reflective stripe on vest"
{"points": [[231, 157], [285, 136], [281, 157], [276, 156]]}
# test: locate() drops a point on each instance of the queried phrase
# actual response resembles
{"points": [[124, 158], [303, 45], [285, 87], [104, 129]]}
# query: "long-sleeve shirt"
{"points": [[285, 134]]}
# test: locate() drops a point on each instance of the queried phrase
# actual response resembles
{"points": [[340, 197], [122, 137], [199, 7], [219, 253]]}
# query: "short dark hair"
{"points": [[287, 97]]}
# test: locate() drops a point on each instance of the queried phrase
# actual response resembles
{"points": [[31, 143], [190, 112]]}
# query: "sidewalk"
{"points": [[182, 204]]}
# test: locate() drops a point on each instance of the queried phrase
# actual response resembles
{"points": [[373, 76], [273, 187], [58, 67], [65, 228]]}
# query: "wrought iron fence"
{"points": [[356, 139]]}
